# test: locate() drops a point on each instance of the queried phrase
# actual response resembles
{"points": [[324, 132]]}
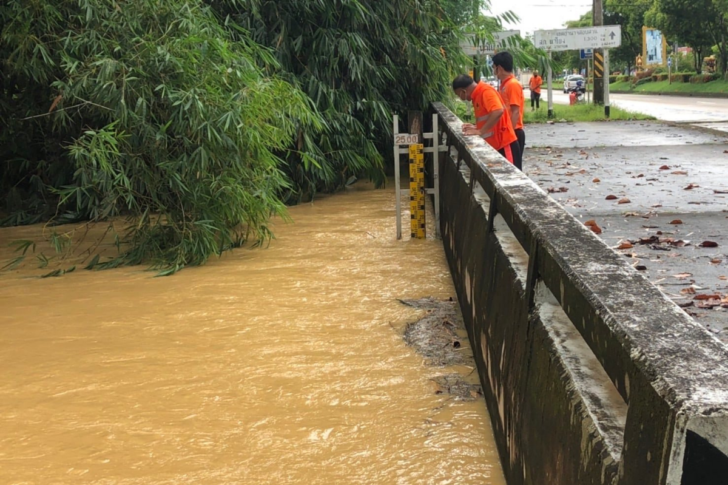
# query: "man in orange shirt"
{"points": [[511, 92], [492, 119], [535, 86]]}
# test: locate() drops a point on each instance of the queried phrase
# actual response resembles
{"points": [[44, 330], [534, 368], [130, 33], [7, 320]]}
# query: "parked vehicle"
{"points": [[571, 82], [490, 80]]}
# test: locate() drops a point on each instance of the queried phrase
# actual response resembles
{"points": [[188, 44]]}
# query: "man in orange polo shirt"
{"points": [[511, 92], [535, 86], [492, 119]]}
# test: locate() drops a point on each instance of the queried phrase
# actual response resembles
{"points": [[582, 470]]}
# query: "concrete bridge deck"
{"points": [[676, 182], [573, 343]]}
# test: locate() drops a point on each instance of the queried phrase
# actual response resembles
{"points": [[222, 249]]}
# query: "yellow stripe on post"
{"points": [[417, 191], [598, 64]]}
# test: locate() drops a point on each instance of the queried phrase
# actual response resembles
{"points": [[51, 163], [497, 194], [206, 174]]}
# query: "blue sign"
{"points": [[586, 54], [669, 62]]}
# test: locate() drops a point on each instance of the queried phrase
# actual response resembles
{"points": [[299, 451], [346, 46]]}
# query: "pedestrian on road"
{"points": [[511, 93], [535, 86], [492, 119]]}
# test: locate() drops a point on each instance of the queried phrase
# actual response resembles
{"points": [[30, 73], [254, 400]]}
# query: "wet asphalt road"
{"points": [[673, 185], [666, 108]]}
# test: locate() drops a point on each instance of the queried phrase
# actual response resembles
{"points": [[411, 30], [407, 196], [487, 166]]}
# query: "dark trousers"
{"points": [[535, 97], [512, 153], [521, 141]]}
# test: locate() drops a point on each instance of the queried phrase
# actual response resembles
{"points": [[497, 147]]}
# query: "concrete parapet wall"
{"points": [[591, 375]]}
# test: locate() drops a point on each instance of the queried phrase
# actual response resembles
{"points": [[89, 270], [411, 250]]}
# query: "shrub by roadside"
{"points": [[717, 87], [704, 78]]}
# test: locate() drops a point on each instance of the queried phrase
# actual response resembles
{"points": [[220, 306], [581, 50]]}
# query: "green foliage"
{"points": [[462, 110], [199, 119], [630, 15], [360, 61], [696, 23], [582, 113], [681, 77], [686, 63], [704, 78], [145, 109], [718, 87]]}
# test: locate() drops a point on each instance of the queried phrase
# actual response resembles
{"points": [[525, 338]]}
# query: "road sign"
{"points": [[406, 139], [488, 48], [605, 37], [586, 54], [669, 62]]}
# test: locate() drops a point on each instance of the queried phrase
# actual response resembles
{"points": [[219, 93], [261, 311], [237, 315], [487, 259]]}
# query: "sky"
{"points": [[541, 14]]}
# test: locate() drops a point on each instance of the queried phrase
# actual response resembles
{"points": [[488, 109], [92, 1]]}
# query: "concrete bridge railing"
{"points": [[591, 375]]}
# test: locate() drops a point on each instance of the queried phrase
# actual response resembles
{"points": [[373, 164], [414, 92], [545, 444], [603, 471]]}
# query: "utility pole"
{"points": [[599, 74]]}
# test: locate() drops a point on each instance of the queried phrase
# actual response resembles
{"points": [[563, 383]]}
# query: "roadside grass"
{"points": [[621, 86], [582, 113], [720, 87]]}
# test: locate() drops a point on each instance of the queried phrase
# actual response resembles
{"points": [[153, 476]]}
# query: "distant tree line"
{"points": [[698, 24]]}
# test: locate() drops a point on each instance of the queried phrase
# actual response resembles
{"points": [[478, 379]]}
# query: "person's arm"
{"points": [[490, 121]]}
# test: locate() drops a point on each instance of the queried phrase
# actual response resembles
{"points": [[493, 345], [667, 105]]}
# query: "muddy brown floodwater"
{"points": [[267, 366]]}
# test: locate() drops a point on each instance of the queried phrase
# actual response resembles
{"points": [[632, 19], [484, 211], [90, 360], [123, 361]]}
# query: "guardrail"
{"points": [[591, 374]]}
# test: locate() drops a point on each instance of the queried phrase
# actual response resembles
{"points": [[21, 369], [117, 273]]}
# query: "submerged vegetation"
{"points": [[199, 120]]}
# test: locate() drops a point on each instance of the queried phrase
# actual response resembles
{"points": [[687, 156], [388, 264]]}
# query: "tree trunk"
{"points": [[723, 63], [698, 61]]}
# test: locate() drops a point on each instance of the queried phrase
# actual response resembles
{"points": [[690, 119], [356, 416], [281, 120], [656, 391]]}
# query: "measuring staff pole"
{"points": [[549, 80], [417, 191], [397, 182], [606, 83], [588, 74]]}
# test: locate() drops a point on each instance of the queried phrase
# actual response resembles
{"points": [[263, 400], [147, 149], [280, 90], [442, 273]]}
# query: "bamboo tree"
{"points": [[146, 109], [360, 61], [198, 119]]}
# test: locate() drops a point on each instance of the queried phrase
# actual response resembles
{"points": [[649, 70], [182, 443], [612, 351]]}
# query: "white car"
{"points": [[570, 83], [490, 80]]}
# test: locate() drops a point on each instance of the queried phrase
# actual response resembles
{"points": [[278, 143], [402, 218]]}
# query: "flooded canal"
{"points": [[267, 366]]}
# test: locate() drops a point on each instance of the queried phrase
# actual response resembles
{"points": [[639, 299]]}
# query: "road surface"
{"points": [[662, 188], [667, 108]]}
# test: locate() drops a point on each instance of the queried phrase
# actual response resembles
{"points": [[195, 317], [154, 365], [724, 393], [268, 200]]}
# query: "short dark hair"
{"points": [[462, 81], [505, 60]]}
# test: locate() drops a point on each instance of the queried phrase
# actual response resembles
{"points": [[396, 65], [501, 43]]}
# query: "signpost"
{"points": [[488, 49], [586, 39], [587, 55], [669, 70], [606, 83], [550, 93], [605, 37]]}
